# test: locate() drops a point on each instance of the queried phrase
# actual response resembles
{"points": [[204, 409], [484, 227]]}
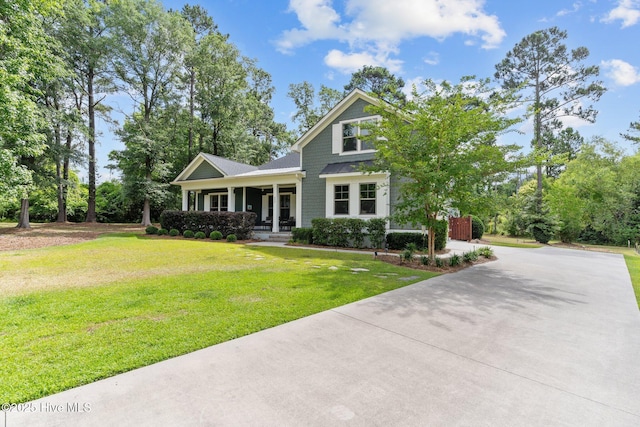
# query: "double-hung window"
{"points": [[349, 136], [367, 199], [219, 202], [341, 200]]}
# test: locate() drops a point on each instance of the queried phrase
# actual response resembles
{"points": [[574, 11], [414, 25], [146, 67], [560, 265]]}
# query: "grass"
{"points": [[633, 265], [84, 312], [511, 242]]}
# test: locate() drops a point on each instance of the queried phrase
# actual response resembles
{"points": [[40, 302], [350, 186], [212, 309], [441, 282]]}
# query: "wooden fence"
{"points": [[460, 228]]}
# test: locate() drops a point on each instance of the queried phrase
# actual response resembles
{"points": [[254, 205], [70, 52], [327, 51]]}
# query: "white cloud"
{"points": [[374, 29], [432, 59], [576, 7], [622, 73], [347, 63], [627, 11]]}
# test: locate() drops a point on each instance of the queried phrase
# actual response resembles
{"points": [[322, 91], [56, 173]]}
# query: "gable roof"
{"points": [[228, 167], [333, 114], [291, 160]]}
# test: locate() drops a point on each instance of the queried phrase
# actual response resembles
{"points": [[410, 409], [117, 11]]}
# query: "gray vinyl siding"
{"points": [[315, 156], [204, 171]]}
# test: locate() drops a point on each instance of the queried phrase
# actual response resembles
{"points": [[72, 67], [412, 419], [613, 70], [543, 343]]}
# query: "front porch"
{"points": [[286, 210]]}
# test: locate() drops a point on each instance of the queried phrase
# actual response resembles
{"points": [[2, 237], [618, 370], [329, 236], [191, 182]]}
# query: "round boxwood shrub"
{"points": [[188, 234], [151, 230], [232, 238], [477, 228], [163, 232], [215, 235], [174, 232], [200, 235]]}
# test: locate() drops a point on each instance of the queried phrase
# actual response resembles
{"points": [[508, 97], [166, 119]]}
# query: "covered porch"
{"points": [[277, 204]]}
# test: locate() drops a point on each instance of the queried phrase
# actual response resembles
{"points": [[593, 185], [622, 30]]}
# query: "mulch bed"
{"points": [[57, 234], [417, 265]]}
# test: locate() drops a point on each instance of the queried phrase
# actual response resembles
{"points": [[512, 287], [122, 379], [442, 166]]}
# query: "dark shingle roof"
{"points": [[291, 160], [347, 167], [229, 167]]}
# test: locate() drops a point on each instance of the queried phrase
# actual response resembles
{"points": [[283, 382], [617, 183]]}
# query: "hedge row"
{"points": [[353, 232], [343, 232], [399, 241], [237, 223]]}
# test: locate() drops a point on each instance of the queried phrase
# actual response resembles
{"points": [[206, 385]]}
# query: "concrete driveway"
{"points": [[540, 337]]}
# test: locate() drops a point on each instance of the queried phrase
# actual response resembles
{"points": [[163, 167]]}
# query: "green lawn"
{"points": [[511, 242], [75, 314], [633, 264]]}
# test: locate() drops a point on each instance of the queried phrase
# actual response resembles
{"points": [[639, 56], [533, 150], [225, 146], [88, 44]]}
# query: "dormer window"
{"points": [[348, 134]]}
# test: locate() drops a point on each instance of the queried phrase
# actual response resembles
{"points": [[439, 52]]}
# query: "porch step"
{"points": [[273, 237]]}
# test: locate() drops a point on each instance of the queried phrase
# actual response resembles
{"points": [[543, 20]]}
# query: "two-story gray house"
{"points": [[319, 178]]}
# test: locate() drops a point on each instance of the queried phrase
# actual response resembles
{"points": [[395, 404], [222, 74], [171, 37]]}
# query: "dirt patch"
{"points": [[417, 265], [57, 234]]}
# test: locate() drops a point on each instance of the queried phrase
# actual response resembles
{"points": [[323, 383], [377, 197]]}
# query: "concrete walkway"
{"points": [[540, 337]]}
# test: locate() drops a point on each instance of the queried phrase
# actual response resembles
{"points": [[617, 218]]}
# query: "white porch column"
{"points": [[298, 203], [244, 199], [207, 202], [185, 200], [276, 208], [231, 199]]}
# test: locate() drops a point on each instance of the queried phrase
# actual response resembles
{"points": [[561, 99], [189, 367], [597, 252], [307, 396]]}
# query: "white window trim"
{"points": [[360, 199], [354, 181], [338, 139], [211, 195], [345, 184]]}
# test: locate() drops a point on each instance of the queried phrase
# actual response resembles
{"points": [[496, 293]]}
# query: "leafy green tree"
{"points": [[553, 83], [151, 44], [221, 82], [439, 146], [85, 35], [561, 147], [539, 222], [26, 62], [202, 25], [633, 134], [307, 112], [379, 81]]}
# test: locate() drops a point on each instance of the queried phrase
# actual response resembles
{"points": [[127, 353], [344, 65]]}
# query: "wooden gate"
{"points": [[460, 228]]}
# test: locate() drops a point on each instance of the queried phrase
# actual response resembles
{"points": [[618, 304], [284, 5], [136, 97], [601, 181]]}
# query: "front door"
{"points": [[285, 206]]}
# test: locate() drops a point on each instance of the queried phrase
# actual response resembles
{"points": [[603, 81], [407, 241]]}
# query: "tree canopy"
{"points": [[440, 146]]}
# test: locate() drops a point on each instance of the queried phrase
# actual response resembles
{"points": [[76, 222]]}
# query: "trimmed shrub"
{"points": [[173, 232], [302, 235], [339, 233], [321, 230], [200, 235], [232, 238], [151, 230], [356, 227], [163, 232], [188, 234], [377, 229], [238, 223], [399, 241], [477, 228], [215, 235]]}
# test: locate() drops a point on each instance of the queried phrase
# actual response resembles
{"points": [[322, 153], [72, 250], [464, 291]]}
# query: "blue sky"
{"points": [[324, 41]]}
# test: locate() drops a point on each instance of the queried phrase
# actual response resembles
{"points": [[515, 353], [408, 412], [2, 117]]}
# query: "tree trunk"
{"points": [[146, 212], [24, 214], [62, 209], [91, 201], [192, 91]]}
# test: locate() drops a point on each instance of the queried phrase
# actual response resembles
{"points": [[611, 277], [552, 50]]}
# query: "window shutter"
{"points": [[336, 138]]}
